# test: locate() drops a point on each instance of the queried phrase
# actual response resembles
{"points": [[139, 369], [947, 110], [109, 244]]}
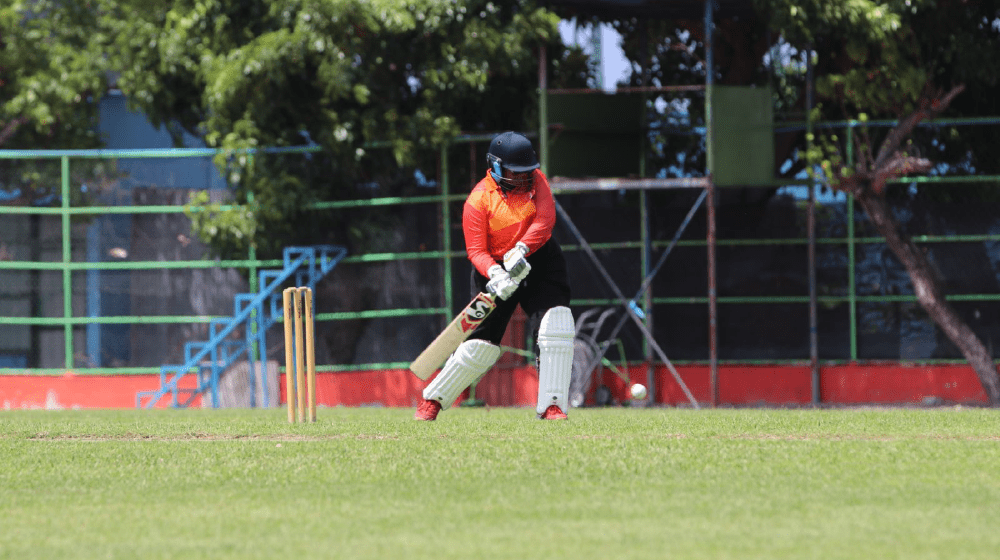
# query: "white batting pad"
{"points": [[468, 363], [555, 357]]}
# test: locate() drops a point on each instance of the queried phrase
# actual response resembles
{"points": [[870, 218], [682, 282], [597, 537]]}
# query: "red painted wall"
{"points": [[517, 385], [78, 391]]}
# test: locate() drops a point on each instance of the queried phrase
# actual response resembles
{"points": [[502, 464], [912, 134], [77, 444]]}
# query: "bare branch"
{"points": [[848, 183], [929, 108], [900, 164], [10, 128]]}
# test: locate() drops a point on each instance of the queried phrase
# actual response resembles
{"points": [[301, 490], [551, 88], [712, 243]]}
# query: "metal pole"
{"points": [[713, 351], [255, 351], [813, 320], [647, 297], [67, 257], [811, 226], [851, 291], [94, 292], [543, 108], [709, 40], [446, 226], [647, 242], [713, 311], [543, 115]]}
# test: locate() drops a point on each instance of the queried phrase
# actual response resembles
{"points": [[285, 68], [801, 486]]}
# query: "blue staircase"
{"points": [[256, 313]]}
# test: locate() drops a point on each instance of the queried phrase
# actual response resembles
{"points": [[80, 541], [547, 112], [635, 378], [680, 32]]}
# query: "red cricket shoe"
{"points": [[553, 412], [428, 410]]}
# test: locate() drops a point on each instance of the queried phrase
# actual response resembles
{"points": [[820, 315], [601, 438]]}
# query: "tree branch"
{"points": [[10, 128], [899, 164], [929, 108]]}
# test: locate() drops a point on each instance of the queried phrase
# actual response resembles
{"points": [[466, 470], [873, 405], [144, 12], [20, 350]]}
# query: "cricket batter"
{"points": [[507, 221]]}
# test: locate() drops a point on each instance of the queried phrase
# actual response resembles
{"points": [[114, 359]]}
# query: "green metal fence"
{"points": [[45, 298]]}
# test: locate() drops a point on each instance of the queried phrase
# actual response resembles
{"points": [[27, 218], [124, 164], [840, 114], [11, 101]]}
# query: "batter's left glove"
{"points": [[515, 262]]}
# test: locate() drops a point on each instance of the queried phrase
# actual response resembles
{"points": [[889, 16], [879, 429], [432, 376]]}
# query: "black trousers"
{"points": [[545, 287]]}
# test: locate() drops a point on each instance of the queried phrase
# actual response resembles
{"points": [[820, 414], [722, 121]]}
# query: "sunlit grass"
{"points": [[495, 483]]}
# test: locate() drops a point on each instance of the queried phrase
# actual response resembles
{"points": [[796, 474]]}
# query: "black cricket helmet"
{"points": [[511, 160]]}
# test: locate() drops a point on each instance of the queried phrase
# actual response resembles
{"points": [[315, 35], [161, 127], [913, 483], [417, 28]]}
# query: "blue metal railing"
{"points": [[209, 359]]}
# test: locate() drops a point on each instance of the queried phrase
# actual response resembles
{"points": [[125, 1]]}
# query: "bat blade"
{"points": [[454, 334]]}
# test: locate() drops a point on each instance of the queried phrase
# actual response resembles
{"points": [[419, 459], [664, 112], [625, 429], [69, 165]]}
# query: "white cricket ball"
{"points": [[638, 391]]}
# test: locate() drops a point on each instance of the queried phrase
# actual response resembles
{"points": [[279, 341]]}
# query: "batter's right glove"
{"points": [[501, 284]]}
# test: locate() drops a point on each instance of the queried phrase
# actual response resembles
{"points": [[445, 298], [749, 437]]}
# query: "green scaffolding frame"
{"points": [[446, 253]]}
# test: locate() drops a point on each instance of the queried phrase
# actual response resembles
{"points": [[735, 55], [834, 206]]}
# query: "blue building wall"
{"points": [[108, 292]]}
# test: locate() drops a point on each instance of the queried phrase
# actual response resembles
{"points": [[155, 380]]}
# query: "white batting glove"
{"points": [[501, 284], [515, 263]]}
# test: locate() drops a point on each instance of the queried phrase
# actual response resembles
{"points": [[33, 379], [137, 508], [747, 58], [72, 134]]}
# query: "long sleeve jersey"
{"points": [[493, 222]]}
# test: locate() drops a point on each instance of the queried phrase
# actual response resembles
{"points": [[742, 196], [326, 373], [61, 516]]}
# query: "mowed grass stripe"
{"points": [[608, 483]]}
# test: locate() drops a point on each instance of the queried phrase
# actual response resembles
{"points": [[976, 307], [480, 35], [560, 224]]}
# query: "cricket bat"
{"points": [[454, 334]]}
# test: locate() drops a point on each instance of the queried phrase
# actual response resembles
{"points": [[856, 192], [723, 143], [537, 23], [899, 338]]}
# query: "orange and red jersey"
{"points": [[493, 222]]}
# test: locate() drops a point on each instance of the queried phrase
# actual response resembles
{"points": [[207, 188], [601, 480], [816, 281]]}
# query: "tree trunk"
{"points": [[928, 291]]}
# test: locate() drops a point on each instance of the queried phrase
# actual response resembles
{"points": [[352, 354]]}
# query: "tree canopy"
{"points": [[891, 60], [871, 60], [338, 73], [52, 70], [343, 75]]}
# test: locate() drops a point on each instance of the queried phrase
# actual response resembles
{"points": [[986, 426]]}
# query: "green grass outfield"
{"points": [[495, 483]]}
